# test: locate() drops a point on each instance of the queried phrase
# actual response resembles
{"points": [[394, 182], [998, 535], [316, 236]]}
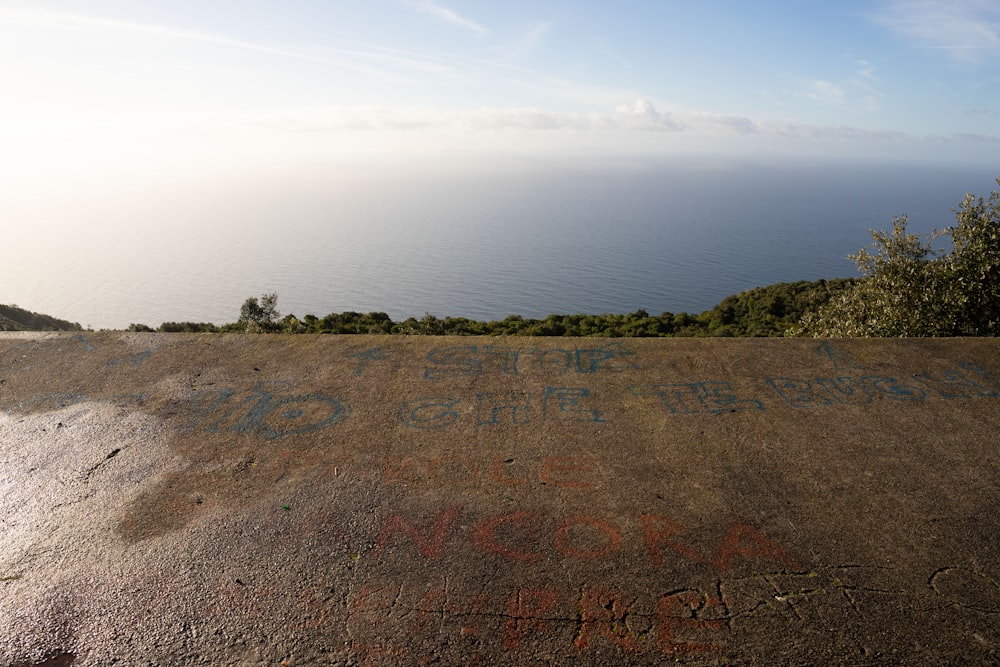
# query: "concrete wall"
{"points": [[173, 499]]}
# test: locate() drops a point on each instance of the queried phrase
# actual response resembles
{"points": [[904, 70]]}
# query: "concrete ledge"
{"points": [[260, 500]]}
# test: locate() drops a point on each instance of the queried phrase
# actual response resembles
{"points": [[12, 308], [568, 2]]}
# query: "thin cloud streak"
{"points": [[446, 15], [184, 34], [161, 30], [386, 61], [967, 29]]}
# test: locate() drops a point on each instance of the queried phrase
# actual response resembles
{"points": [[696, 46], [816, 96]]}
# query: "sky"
{"points": [[160, 89], [133, 130]]}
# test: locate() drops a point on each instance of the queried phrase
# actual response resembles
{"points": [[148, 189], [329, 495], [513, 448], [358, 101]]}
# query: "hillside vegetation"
{"points": [[763, 311], [13, 318]]}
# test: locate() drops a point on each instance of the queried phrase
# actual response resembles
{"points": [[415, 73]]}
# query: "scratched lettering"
{"points": [[670, 623]]}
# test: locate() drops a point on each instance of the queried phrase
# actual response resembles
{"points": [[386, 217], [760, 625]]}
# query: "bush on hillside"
{"points": [[910, 288]]}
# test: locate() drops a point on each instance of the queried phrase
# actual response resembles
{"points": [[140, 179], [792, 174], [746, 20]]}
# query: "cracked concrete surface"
{"points": [[174, 499]]}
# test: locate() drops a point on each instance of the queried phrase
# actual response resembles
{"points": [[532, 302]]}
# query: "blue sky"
{"points": [[120, 84]]}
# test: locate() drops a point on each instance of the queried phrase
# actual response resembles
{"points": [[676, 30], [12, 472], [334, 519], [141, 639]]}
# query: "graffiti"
{"points": [[383, 617], [697, 398], [700, 398], [367, 356], [262, 411], [559, 404], [846, 390], [526, 536], [839, 359], [434, 412], [473, 360], [684, 621], [680, 621], [956, 385]]}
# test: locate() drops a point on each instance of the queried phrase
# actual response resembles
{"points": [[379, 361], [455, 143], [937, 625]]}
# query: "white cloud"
{"points": [[642, 115], [639, 117], [722, 124], [966, 29], [447, 15], [223, 142]]}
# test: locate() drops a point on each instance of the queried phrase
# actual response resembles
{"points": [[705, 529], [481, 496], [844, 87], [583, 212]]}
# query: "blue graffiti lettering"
{"points": [[563, 403], [891, 388], [691, 398], [842, 390], [954, 385], [262, 412], [429, 412], [839, 360], [846, 390], [471, 360], [799, 393], [510, 357], [453, 362], [367, 356], [493, 404]]}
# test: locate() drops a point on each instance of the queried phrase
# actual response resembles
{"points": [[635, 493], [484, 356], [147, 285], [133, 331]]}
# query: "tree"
{"points": [[259, 316], [975, 264], [909, 288]]}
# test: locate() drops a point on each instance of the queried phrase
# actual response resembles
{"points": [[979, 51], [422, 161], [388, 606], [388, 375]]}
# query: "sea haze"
{"points": [[529, 240]]}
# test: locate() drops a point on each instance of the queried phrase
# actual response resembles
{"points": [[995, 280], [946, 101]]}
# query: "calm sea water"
{"points": [[480, 245]]}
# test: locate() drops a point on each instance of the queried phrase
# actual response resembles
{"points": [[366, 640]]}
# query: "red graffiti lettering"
{"points": [[485, 535], [429, 540], [558, 470], [658, 530], [580, 524]]}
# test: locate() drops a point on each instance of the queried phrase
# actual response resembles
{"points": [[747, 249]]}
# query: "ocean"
{"points": [[478, 243]]}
